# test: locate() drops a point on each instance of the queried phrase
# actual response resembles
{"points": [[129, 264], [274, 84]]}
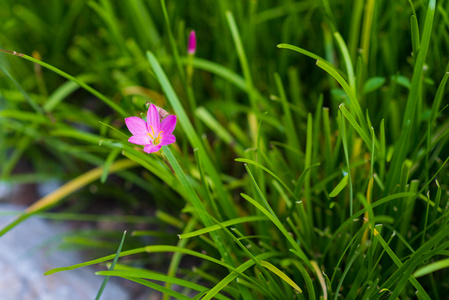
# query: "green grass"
{"points": [[312, 141]]}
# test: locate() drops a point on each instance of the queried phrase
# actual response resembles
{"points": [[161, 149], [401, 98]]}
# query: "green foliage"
{"points": [[312, 139]]}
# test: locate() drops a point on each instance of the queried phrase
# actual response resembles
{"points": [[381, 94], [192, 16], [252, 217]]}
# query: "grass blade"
{"points": [[70, 187], [157, 277], [281, 275], [221, 225], [340, 186], [349, 91], [242, 57], [111, 268], [242, 268], [430, 268], [278, 224], [71, 78]]}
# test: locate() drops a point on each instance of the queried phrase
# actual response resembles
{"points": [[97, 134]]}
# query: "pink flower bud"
{"points": [[192, 43]]}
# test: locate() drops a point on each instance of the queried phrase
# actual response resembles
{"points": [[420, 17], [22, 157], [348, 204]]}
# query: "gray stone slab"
{"points": [[24, 258]]}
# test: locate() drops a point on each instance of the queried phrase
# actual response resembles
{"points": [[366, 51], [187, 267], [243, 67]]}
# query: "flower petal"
{"points": [[167, 139], [140, 139], [192, 43], [168, 124], [153, 119], [150, 148], [136, 125]]}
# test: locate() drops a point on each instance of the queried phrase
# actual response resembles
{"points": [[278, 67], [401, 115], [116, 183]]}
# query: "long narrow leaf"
{"points": [[65, 190], [111, 268]]}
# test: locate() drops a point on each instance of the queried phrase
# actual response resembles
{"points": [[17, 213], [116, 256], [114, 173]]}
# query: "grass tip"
{"points": [[12, 52]]}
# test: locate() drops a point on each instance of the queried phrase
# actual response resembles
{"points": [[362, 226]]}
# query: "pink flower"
{"points": [[153, 134], [191, 48]]}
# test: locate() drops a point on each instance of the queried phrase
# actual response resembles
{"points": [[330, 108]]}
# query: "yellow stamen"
{"points": [[157, 140], [152, 133]]}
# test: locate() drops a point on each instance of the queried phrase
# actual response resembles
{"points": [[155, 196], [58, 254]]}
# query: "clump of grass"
{"points": [[311, 147]]}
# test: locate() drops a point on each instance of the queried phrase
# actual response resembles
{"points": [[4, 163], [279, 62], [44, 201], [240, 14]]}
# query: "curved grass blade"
{"points": [[71, 78], [302, 51], [319, 274], [159, 288], [278, 224], [221, 225], [96, 261], [105, 281], [158, 277], [373, 84], [356, 126], [430, 268], [346, 58], [401, 266], [147, 249], [228, 279], [252, 162], [281, 275], [340, 186], [349, 91], [68, 188]]}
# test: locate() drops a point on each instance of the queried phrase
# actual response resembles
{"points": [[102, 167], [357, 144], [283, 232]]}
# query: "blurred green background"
{"points": [[248, 99]]}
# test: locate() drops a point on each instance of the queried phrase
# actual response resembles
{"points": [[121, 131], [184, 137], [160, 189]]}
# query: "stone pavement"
{"points": [[24, 258]]}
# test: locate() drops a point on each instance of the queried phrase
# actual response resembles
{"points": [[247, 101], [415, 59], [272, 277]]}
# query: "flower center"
{"points": [[156, 139]]}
